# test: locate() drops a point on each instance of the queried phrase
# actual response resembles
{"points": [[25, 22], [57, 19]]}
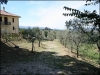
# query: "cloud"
{"points": [[31, 2], [51, 16]]}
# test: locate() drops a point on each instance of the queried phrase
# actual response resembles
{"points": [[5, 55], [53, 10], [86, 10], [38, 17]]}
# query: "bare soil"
{"points": [[50, 58]]}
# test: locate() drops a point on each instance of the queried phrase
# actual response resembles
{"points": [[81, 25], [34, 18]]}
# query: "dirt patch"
{"points": [[50, 58]]}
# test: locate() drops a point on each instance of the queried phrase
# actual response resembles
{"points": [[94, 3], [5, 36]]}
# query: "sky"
{"points": [[45, 13]]}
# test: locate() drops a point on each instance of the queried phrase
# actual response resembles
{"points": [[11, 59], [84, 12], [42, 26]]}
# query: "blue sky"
{"points": [[44, 13]]}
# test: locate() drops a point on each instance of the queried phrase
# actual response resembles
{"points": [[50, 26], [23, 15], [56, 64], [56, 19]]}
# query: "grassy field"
{"points": [[88, 52]]}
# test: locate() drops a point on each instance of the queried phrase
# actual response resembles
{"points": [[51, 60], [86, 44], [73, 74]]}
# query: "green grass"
{"points": [[87, 51]]}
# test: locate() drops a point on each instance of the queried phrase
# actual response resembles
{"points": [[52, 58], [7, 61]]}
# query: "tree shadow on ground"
{"points": [[67, 63]]}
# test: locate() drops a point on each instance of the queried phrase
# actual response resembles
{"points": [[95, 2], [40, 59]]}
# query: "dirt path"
{"points": [[55, 46], [53, 59]]}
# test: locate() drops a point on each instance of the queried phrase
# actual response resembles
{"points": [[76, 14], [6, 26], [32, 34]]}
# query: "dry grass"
{"points": [[50, 58]]}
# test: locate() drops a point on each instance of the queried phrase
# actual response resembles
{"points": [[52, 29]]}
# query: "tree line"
{"points": [[38, 34]]}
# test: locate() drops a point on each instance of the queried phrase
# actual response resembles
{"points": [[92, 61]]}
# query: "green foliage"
{"points": [[92, 3], [51, 36], [24, 32], [84, 19], [46, 33], [38, 33], [3, 1]]}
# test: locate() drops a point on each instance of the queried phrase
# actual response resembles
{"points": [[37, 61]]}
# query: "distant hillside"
{"points": [[24, 26], [35, 26]]}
